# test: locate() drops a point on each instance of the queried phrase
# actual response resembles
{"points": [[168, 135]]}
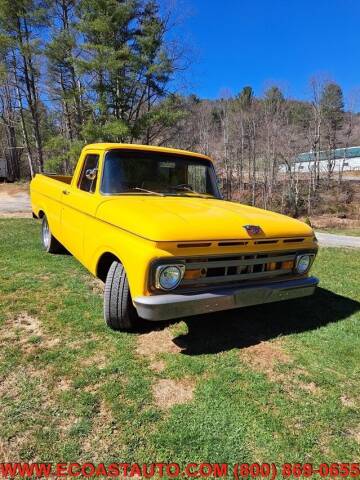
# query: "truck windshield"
{"points": [[153, 173]]}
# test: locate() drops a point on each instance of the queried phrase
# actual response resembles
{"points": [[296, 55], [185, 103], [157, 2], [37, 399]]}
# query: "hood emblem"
{"points": [[253, 229]]}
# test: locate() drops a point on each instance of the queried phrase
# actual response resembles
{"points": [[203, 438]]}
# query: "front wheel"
{"points": [[50, 244], [119, 311]]}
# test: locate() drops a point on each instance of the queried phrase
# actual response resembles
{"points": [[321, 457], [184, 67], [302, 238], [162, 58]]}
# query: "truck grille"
{"points": [[229, 269]]}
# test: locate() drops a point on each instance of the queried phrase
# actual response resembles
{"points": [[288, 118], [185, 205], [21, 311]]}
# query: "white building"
{"points": [[346, 159]]}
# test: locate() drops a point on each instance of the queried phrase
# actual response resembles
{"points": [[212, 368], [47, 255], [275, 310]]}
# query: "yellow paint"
{"points": [[138, 229]]}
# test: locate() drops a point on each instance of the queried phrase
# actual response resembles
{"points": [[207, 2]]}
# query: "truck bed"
{"points": [[60, 178], [47, 189]]}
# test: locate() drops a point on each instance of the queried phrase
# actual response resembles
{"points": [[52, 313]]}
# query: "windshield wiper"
{"points": [[148, 191], [187, 188]]}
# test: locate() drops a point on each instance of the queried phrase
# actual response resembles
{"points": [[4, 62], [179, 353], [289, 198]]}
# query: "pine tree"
{"points": [[246, 97], [65, 84], [274, 99], [127, 68], [332, 107]]}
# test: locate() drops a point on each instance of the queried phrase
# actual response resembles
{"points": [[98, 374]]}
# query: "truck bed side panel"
{"points": [[46, 193]]}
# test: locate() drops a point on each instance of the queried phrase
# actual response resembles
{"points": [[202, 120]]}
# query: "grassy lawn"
{"points": [[273, 383], [341, 231]]}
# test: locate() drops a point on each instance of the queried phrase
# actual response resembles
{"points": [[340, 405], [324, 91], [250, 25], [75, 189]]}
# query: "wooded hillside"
{"points": [[78, 71]]}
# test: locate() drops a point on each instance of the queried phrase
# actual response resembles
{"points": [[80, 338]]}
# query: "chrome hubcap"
{"points": [[46, 234]]}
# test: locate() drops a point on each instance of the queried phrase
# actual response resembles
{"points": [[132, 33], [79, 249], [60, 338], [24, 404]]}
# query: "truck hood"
{"points": [[192, 219]]}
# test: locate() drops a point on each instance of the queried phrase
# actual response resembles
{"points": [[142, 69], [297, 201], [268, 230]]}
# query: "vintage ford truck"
{"points": [[151, 224]]}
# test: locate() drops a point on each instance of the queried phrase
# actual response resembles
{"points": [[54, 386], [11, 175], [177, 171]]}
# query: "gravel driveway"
{"points": [[14, 200], [331, 240]]}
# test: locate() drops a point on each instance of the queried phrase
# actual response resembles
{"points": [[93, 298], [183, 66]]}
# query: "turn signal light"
{"points": [[192, 274], [289, 265]]}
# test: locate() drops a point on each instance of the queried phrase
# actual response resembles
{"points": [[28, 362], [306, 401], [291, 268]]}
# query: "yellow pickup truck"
{"points": [[151, 224]]}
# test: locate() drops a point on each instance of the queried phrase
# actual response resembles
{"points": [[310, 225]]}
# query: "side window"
{"points": [[87, 184]]}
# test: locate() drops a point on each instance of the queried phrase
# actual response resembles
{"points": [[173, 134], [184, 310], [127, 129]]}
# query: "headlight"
{"points": [[168, 277], [303, 263]]}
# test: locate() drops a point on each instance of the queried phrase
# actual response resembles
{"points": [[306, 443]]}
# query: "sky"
{"points": [[233, 43]]}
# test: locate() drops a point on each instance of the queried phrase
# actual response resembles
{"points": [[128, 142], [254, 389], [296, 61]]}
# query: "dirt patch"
{"points": [[97, 286], [4, 451], [309, 387], [168, 393], [331, 221], [152, 344], [265, 356], [21, 324], [79, 344], [10, 450], [157, 365], [347, 401], [44, 278], [26, 331], [13, 188], [15, 215], [66, 423], [159, 341], [355, 434], [97, 359], [9, 386], [29, 324], [102, 439], [93, 387], [63, 385], [12, 390]]}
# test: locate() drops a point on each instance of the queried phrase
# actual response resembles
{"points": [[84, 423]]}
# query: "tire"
{"points": [[49, 242], [119, 311]]}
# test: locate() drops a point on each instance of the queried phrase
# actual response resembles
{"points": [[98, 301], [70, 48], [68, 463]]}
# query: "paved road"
{"points": [[331, 240]]}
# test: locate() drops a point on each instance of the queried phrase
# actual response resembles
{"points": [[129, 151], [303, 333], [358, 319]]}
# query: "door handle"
{"points": [[66, 192]]}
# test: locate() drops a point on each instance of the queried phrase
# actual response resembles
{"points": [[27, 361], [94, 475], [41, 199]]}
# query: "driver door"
{"points": [[79, 203]]}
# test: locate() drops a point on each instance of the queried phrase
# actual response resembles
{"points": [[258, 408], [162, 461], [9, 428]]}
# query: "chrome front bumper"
{"points": [[172, 305]]}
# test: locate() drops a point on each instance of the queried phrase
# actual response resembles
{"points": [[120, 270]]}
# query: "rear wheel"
{"points": [[119, 311], [50, 244]]}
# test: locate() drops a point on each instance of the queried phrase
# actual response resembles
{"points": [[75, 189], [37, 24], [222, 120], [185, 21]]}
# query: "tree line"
{"points": [[256, 141], [79, 71]]}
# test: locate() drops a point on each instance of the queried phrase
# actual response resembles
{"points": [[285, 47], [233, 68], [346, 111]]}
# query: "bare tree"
{"points": [[9, 121]]}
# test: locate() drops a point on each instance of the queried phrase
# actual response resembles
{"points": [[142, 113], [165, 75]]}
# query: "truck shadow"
{"points": [[222, 331]]}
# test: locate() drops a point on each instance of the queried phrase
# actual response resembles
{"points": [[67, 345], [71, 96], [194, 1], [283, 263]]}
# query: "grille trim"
{"points": [[264, 242], [193, 245], [293, 240], [238, 263], [241, 241], [232, 244], [234, 278], [219, 270], [237, 268]]}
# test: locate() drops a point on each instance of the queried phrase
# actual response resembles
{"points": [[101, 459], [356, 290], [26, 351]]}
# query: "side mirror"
{"points": [[91, 173]]}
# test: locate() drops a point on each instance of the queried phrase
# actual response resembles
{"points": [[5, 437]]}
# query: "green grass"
{"points": [[342, 231], [272, 383]]}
